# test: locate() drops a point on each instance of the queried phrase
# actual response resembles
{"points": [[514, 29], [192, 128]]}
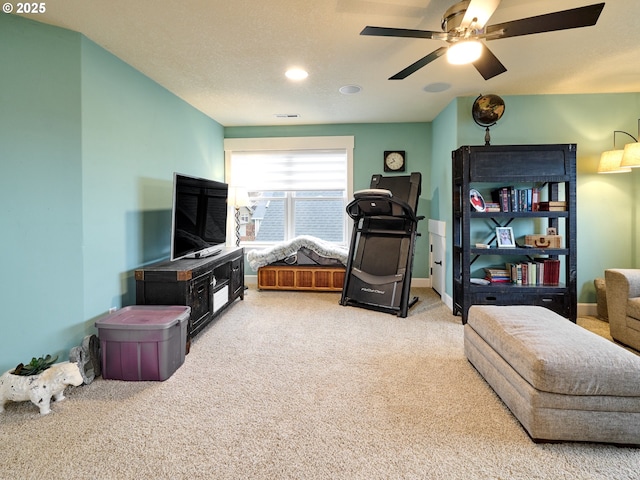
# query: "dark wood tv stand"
{"points": [[208, 285]]}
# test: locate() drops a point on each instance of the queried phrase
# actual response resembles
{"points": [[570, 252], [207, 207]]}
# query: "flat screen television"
{"points": [[199, 217]]}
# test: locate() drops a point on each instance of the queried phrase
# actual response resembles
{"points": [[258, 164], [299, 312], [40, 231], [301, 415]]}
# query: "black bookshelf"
{"points": [[552, 168]]}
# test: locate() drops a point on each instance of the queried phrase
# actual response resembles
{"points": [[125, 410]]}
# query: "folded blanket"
{"points": [[260, 258]]}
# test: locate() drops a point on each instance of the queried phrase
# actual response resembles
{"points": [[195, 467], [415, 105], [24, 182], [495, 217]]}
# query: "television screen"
{"points": [[199, 217]]}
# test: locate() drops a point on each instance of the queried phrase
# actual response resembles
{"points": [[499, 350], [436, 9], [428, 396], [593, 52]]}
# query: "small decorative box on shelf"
{"points": [[543, 241]]}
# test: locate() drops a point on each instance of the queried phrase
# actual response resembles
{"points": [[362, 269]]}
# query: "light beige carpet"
{"points": [[291, 385]]}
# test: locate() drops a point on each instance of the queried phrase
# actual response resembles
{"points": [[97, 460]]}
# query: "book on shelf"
{"points": [[543, 271], [557, 206], [515, 273], [512, 199], [535, 199], [501, 197], [551, 272], [497, 275], [492, 207]]}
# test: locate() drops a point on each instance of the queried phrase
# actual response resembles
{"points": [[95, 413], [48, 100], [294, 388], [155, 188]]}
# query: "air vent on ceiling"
{"points": [[287, 115]]}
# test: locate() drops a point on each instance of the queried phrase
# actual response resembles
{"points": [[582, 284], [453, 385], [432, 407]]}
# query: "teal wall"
{"points": [[607, 216], [89, 146], [370, 141], [40, 189], [135, 134], [445, 140]]}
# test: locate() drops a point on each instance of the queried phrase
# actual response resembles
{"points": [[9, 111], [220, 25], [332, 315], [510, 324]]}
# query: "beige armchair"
{"points": [[623, 302]]}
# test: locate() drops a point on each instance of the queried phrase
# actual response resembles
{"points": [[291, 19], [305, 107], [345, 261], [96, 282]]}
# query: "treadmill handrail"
{"points": [[372, 192], [406, 208]]}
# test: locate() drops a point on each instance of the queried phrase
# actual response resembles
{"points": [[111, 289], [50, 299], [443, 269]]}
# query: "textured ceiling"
{"points": [[228, 58]]}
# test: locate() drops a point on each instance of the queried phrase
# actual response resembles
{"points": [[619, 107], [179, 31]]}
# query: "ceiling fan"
{"points": [[463, 24]]}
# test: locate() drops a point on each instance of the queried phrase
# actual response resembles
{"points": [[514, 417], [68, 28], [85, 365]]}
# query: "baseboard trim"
{"points": [[584, 309], [421, 282], [587, 309]]}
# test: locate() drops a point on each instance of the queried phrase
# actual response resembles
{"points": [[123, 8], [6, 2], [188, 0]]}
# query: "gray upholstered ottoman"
{"points": [[561, 381]]}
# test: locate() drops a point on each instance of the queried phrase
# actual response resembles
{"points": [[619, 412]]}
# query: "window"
{"points": [[296, 186]]}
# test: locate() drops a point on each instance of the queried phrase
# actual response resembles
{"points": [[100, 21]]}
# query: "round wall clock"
{"points": [[394, 161]]}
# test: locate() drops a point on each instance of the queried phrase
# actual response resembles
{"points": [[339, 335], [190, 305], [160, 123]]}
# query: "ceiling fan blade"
{"points": [[488, 64], [419, 64], [481, 11], [563, 20], [402, 32]]}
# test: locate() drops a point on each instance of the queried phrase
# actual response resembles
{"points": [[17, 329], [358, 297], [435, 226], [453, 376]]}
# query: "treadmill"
{"points": [[378, 272]]}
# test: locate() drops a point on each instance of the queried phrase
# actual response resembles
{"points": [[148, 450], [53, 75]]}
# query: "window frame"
{"points": [[282, 144]]}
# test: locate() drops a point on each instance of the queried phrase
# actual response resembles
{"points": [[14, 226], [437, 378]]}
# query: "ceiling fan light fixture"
{"points": [[464, 52], [296, 74]]}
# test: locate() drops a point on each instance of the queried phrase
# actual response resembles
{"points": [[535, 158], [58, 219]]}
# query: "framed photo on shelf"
{"points": [[477, 202], [504, 236]]}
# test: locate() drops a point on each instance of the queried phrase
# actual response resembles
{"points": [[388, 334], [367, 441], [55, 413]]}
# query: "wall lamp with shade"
{"points": [[620, 161], [610, 162], [631, 155]]}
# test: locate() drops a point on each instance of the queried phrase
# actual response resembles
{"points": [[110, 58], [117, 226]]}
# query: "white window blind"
{"points": [[290, 170], [296, 186]]}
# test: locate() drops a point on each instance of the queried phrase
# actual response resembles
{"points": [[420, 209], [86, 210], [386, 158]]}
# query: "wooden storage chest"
{"points": [[301, 277]]}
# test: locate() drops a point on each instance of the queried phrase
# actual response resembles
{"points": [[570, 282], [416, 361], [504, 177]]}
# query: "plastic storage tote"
{"points": [[143, 342]]}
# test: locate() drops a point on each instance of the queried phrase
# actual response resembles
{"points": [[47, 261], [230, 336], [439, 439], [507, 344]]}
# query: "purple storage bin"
{"points": [[143, 342]]}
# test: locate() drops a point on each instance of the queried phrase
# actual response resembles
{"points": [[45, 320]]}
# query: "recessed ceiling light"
{"points": [[350, 89], [437, 87], [296, 74]]}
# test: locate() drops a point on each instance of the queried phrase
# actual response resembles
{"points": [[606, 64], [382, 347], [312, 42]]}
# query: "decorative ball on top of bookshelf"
{"points": [[486, 111]]}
